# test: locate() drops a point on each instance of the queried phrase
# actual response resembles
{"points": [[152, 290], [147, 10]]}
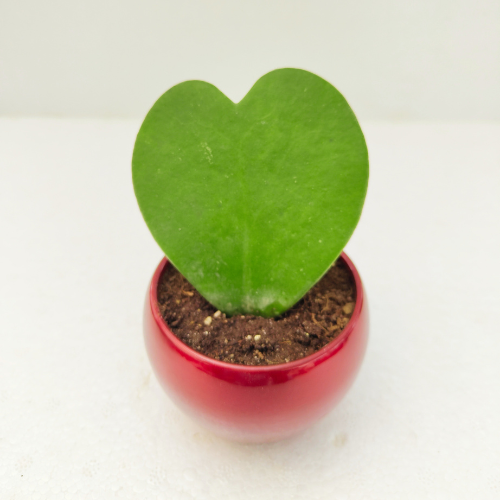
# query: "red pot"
{"points": [[255, 403]]}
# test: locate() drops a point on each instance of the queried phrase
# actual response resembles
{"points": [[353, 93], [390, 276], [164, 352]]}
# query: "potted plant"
{"points": [[252, 203]]}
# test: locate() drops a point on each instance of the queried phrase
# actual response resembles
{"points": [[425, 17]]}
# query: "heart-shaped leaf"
{"points": [[252, 202]]}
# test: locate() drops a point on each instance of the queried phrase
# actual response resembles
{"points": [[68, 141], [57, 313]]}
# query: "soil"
{"points": [[253, 340]]}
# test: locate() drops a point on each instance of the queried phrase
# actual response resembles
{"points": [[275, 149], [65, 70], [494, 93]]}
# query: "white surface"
{"points": [[418, 59], [81, 415]]}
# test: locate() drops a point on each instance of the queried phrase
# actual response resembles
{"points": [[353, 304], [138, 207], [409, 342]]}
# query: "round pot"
{"points": [[255, 403]]}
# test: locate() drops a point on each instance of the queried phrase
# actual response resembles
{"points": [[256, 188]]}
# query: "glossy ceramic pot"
{"points": [[255, 403]]}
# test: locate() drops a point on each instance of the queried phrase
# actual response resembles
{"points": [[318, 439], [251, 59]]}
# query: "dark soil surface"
{"points": [[252, 340]]}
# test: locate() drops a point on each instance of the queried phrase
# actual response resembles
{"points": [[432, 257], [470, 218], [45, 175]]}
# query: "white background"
{"points": [[81, 415], [392, 59]]}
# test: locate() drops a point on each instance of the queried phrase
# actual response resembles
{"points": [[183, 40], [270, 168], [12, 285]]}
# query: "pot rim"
{"points": [[324, 353]]}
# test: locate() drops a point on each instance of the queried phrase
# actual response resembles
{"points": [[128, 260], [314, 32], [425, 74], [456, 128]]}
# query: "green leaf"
{"points": [[252, 202]]}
